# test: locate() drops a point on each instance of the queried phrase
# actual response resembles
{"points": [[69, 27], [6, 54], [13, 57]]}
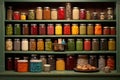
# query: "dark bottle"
{"points": [[93, 60], [103, 44], [9, 63]]}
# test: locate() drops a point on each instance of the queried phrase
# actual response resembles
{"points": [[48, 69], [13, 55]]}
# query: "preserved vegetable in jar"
{"points": [[112, 30], [61, 13], [98, 29], [71, 45], [46, 13], [75, 29], [111, 44], [75, 13], [23, 16], [103, 44], [106, 30], [93, 60], [102, 16], [17, 44], [110, 16], [39, 13], [34, 30], [9, 45], [16, 15], [87, 45], [67, 29], [9, 13], [82, 14], [88, 15], [48, 45], [9, 63], [90, 29], [109, 10], [17, 29], [58, 29], [25, 29], [79, 45], [82, 29], [111, 62], [60, 64], [42, 29], [68, 11], [40, 45], [95, 44], [101, 62], [9, 29], [32, 45], [54, 13], [31, 15], [51, 61], [24, 45], [50, 29], [82, 60]]}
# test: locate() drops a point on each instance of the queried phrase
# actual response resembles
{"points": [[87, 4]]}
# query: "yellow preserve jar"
{"points": [[23, 16], [74, 29], [111, 44], [40, 45], [82, 29], [58, 29], [60, 64]]}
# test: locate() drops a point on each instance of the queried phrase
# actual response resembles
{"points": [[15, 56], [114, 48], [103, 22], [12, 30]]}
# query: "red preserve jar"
{"points": [[87, 44], [82, 14], [16, 15], [106, 30], [61, 13], [42, 29], [112, 31], [9, 63], [50, 29], [66, 29], [34, 29], [15, 63]]}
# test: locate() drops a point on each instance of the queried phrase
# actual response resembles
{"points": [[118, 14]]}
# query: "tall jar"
{"points": [[61, 13], [9, 13], [101, 62], [9, 29], [42, 29], [111, 44], [25, 29], [71, 45], [16, 15], [9, 44], [103, 44], [32, 45], [40, 45], [79, 45], [58, 29], [82, 60], [68, 11], [82, 14], [34, 30], [75, 30], [93, 60], [9, 64], [24, 45], [95, 44], [111, 62], [50, 29], [48, 44], [109, 10], [17, 44], [82, 29], [15, 63], [54, 14], [60, 64], [90, 29], [88, 15], [87, 44], [98, 29], [39, 13], [31, 15], [44, 61], [67, 29], [17, 29], [75, 13], [46, 13], [51, 61]]}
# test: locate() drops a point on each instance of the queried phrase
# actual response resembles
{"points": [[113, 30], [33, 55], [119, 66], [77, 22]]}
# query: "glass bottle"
{"points": [[9, 44], [98, 29], [75, 30], [60, 64], [42, 29], [75, 13], [9, 29], [40, 45], [17, 29], [79, 45], [61, 13], [111, 62], [32, 45], [17, 44], [67, 29], [111, 44], [68, 11], [71, 45], [90, 29], [24, 45], [9, 13], [50, 29], [103, 44], [34, 30], [39, 13], [58, 29], [93, 60], [51, 61], [101, 62], [48, 44], [82, 29], [31, 15], [25, 29], [95, 44], [46, 13], [87, 44]]}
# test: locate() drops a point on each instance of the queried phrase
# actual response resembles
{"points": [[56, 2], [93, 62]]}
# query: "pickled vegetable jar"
{"points": [[111, 44], [98, 29], [9, 29], [87, 44], [48, 45], [17, 29], [60, 64], [82, 29], [95, 44], [32, 45], [58, 29], [31, 15], [79, 44], [40, 45], [75, 30], [90, 29], [50, 29], [71, 45]]}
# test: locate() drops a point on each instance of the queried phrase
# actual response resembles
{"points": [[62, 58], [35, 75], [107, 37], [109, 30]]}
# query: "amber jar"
{"points": [[39, 13], [40, 45], [32, 45], [98, 29], [46, 13]]}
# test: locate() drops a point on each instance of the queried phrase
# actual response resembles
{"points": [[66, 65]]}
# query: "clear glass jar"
{"points": [[101, 62], [58, 29], [48, 45], [9, 29], [9, 44], [82, 60], [75, 13], [61, 13], [31, 15], [79, 45], [32, 45], [39, 13], [51, 61], [16, 15], [87, 44], [88, 15], [60, 64], [25, 29], [103, 44], [24, 45], [17, 29], [102, 16], [54, 13], [82, 29], [95, 44], [23, 16], [46, 13], [17, 44], [68, 11], [109, 10], [90, 29], [111, 44], [75, 29], [71, 45], [40, 45]]}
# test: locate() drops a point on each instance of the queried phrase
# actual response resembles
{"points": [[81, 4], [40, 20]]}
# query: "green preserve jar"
{"points": [[48, 45], [9, 29], [83, 29], [17, 29], [31, 15], [79, 44], [71, 45]]}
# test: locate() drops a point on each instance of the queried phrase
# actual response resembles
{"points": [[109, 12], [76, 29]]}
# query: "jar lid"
{"points": [[94, 39], [25, 24], [16, 39], [35, 60], [82, 9], [50, 55], [47, 39], [111, 39], [47, 65], [47, 7], [112, 27], [82, 24], [74, 24], [9, 58], [50, 24], [102, 13], [58, 24], [75, 7], [17, 58], [42, 56], [9, 24], [16, 12], [79, 39], [22, 61], [39, 7], [53, 9], [9, 39], [103, 39], [87, 39], [25, 39], [17, 24], [61, 7], [31, 10], [109, 8], [105, 27], [40, 39], [97, 24], [32, 39], [66, 24], [60, 58], [23, 13], [90, 24]]}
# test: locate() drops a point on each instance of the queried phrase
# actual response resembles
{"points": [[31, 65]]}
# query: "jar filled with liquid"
{"points": [[39, 13], [79, 45], [50, 29], [16, 15], [23, 16], [98, 29], [17, 29], [82, 29], [31, 15], [25, 29], [9, 29], [106, 30], [67, 29], [54, 14], [75, 29], [24, 45], [111, 44], [48, 44], [61, 13], [71, 45], [75, 13], [60, 64], [87, 45], [90, 29], [40, 45], [34, 30], [58, 29], [42, 29], [9, 44], [46, 13]]}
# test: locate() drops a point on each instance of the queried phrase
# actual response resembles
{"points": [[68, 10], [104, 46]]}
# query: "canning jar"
{"points": [[87, 44], [82, 60], [46, 13], [82, 29], [88, 15], [68, 11], [16, 15], [60, 64], [111, 44], [82, 14], [31, 15], [79, 45], [48, 44], [106, 30], [75, 30], [17, 44], [39, 13], [34, 30], [17, 29], [23, 16], [9, 64], [32, 45], [111, 62], [75, 13], [44, 61], [93, 60], [51, 61], [9, 29], [47, 68], [71, 45], [15, 63], [9, 13], [95, 16], [42, 29], [98, 29], [67, 29], [24, 45], [109, 10], [54, 13], [90, 29], [101, 62], [103, 44], [22, 66], [95, 44], [50, 29], [40, 45], [112, 30], [25, 29], [58, 29], [110, 16], [102, 16], [61, 13], [9, 44]]}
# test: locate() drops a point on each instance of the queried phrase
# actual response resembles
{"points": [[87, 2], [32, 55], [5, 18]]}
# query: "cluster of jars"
{"points": [[59, 29], [50, 62], [94, 44], [47, 13]]}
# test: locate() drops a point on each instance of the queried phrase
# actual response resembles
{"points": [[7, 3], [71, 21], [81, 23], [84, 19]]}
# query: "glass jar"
{"points": [[31, 15], [110, 16], [68, 11], [61, 13], [34, 30], [51, 61], [60, 64], [75, 13], [79, 45], [98, 29], [50, 29], [103, 44], [67, 29], [40, 45], [9, 13], [106, 30], [25, 29], [95, 16], [48, 44], [82, 60], [111, 44], [39, 13], [102, 16], [15, 63], [88, 15], [109, 10], [32, 45], [9, 64], [9, 29], [24, 45], [23, 16], [93, 60], [58, 29], [87, 44], [82, 29], [112, 30], [82, 14], [17, 44], [42, 29], [95, 44], [111, 62], [22, 66], [101, 62], [17, 29], [75, 30], [54, 13], [47, 68], [46, 13], [90, 29], [16, 15], [9, 44], [44, 61], [71, 45]]}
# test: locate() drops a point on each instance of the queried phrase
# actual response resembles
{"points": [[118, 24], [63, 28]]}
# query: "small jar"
{"points": [[112, 30], [82, 14], [39, 13], [106, 30], [102, 16], [34, 30], [40, 45], [98, 29], [79, 45], [17, 29], [88, 15], [111, 44], [58, 29], [22, 66], [32, 45], [23, 16], [67, 29], [54, 13], [103, 44], [47, 68], [109, 10], [42, 29], [82, 60], [24, 45], [61, 13], [9, 44], [25, 29], [46, 13], [75, 30], [50, 29], [95, 44], [110, 16], [16, 15], [87, 45], [9, 29], [90, 29], [71, 45], [82, 29], [60, 64], [75, 13], [95, 16], [17, 45], [31, 15], [48, 45]]}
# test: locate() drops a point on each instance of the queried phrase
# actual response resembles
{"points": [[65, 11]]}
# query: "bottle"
{"points": [[9, 13], [68, 11]]}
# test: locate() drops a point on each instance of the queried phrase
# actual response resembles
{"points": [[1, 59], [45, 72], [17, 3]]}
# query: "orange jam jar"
{"points": [[22, 66]]}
